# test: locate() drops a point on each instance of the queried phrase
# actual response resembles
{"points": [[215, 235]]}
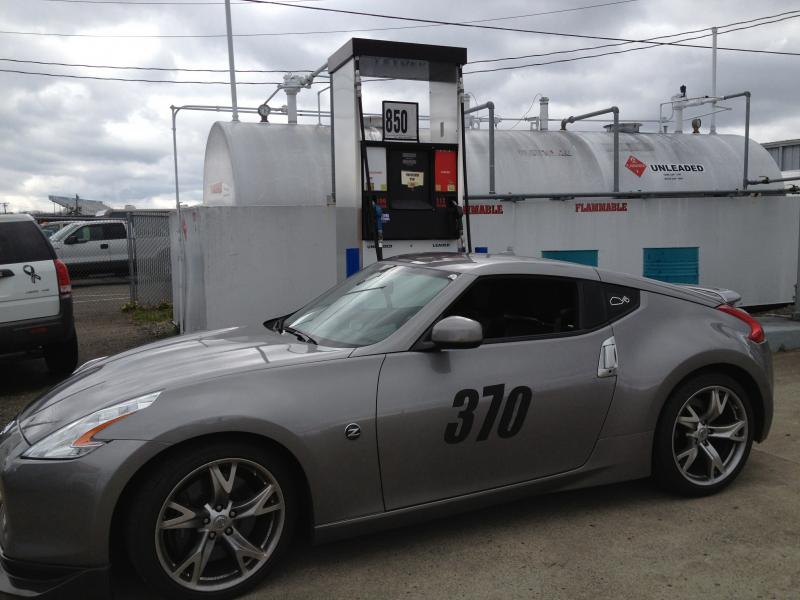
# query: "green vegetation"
{"points": [[159, 313]]}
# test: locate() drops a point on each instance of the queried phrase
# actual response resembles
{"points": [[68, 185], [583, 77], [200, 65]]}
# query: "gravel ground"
{"points": [[102, 330]]}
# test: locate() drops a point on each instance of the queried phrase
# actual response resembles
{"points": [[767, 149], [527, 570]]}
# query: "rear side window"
{"points": [[114, 231], [619, 300], [512, 307], [22, 241]]}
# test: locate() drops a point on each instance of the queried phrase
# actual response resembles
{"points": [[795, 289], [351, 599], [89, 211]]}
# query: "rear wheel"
{"points": [[211, 522], [704, 435], [62, 357]]}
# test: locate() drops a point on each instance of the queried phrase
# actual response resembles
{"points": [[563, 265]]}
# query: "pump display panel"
{"points": [[415, 185]]}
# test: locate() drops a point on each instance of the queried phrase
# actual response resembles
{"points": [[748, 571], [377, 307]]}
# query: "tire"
{"points": [[704, 435], [62, 357], [174, 493]]}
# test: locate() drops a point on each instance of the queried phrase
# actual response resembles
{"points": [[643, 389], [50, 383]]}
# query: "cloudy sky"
{"points": [[111, 141]]}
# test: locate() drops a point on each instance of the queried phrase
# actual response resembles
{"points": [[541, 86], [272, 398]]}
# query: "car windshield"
{"points": [[369, 306]]}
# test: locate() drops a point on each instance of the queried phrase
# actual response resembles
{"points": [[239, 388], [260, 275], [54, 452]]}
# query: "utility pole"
{"points": [[5, 207], [230, 60], [713, 128]]}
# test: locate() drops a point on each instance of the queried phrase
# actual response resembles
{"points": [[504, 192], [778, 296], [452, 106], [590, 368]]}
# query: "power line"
{"points": [[64, 75], [202, 70], [61, 64], [577, 58], [190, 3], [291, 33], [494, 27], [506, 68], [661, 37]]}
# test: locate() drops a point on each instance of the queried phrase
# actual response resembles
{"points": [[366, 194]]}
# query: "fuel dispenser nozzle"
{"points": [[378, 230]]}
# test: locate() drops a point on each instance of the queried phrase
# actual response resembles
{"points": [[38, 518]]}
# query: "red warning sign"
{"points": [[446, 171], [635, 166]]}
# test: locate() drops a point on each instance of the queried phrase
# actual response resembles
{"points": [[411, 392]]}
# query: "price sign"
{"points": [[401, 121]]}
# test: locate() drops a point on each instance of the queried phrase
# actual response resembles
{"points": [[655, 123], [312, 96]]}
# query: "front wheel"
{"points": [[210, 523], [704, 435]]}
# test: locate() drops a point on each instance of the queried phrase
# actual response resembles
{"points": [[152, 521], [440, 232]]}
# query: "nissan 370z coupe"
{"points": [[421, 386]]}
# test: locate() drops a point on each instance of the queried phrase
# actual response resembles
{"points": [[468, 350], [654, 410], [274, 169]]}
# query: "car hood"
{"points": [[165, 365]]}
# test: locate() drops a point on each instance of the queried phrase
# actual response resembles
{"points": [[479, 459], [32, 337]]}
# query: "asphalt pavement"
{"points": [[627, 540]]}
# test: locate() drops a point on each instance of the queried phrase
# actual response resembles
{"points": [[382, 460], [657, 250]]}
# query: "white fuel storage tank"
{"points": [[745, 243]]}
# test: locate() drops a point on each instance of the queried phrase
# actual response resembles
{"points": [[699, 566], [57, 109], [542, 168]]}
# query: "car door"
{"points": [[82, 250], [528, 403], [28, 279], [115, 240]]}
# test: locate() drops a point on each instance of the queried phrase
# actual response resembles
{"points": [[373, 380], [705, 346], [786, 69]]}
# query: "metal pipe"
{"points": [[464, 156], [490, 106], [544, 112], [597, 113], [231, 66], [746, 130], [372, 213], [765, 180], [319, 105], [515, 197], [713, 129], [182, 251]]}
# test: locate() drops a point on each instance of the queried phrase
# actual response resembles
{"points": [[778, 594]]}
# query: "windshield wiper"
{"points": [[300, 335]]}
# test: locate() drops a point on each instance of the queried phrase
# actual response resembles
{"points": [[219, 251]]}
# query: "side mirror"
{"points": [[457, 332], [73, 239]]}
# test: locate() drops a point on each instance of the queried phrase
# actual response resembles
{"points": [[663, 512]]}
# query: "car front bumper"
{"points": [[56, 515], [34, 580]]}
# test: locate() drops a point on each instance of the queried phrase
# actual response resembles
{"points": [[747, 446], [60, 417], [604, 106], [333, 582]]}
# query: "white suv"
{"points": [[35, 297]]}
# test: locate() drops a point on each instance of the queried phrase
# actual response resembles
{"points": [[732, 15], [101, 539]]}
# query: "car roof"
{"points": [[15, 218], [491, 264], [509, 264]]}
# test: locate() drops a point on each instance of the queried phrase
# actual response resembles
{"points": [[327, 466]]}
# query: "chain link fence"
{"points": [[116, 259], [149, 257]]}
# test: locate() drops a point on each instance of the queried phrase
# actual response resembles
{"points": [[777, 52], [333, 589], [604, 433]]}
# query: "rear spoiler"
{"points": [[725, 296]]}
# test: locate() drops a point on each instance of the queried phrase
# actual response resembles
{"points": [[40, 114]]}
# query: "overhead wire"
{"points": [[660, 37], [188, 70], [499, 28], [320, 32], [578, 58], [98, 78], [512, 67], [649, 41]]}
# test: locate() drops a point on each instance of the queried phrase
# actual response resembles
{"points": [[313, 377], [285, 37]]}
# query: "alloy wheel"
{"points": [[220, 524], [710, 435]]}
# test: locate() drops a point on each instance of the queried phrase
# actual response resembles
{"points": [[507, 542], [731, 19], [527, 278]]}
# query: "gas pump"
{"points": [[399, 193]]}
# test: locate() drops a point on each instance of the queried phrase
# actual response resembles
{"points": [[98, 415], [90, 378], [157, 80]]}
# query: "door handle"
{"points": [[6, 273], [103, 246], [607, 365]]}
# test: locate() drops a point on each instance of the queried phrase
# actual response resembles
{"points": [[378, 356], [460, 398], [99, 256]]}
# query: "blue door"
{"points": [[673, 265], [582, 257]]}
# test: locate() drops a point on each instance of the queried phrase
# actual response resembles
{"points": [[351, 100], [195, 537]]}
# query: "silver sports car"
{"points": [[421, 386]]}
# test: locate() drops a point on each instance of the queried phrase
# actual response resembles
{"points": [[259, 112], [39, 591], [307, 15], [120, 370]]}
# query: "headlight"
{"points": [[77, 438]]}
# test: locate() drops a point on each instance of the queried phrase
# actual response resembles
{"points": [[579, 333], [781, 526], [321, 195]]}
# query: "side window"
{"points": [[114, 231], [96, 233], [82, 234], [619, 300], [509, 307]]}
